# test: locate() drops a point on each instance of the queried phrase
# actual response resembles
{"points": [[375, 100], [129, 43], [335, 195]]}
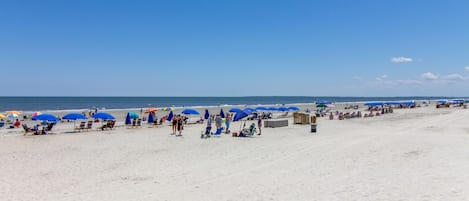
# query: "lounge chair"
{"points": [[27, 129], [218, 132], [89, 125], [108, 125], [81, 126]]}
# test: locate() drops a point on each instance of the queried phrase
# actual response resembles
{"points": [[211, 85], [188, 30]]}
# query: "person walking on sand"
{"points": [[259, 124]]}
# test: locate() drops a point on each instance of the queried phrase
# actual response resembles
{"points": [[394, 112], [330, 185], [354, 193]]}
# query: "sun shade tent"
{"points": [[190, 111], [375, 103]]}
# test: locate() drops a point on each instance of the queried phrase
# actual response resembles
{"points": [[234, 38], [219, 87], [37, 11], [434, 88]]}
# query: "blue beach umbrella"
{"points": [[190, 111], [74, 116], [235, 110], [103, 116], [222, 114], [128, 120], [251, 109], [46, 117], [261, 108], [283, 109], [206, 115], [294, 108], [170, 116], [151, 118], [241, 114]]}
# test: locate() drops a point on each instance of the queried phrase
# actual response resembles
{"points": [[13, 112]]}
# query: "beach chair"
{"points": [[49, 126], [26, 129], [2, 124], [139, 122], [89, 125], [248, 132], [218, 132], [81, 126]]}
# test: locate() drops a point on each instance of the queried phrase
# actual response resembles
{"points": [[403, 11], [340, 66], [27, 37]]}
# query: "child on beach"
{"points": [[227, 123]]}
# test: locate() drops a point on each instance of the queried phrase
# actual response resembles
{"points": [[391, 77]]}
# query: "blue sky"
{"points": [[234, 48]]}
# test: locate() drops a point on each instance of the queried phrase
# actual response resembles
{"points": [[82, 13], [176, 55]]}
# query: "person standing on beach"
{"points": [[209, 125], [259, 124], [218, 122], [180, 125], [174, 123], [227, 123]]}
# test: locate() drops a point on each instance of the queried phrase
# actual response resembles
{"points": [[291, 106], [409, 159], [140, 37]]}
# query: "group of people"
{"points": [[178, 124]]}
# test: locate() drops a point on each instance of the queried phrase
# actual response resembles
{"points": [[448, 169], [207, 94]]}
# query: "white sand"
{"points": [[413, 154]]}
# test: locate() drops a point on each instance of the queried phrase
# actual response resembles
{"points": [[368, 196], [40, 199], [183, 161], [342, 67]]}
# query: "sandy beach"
{"points": [[412, 154]]}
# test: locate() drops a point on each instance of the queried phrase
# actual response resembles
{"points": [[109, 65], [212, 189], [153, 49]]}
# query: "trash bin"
{"points": [[313, 128]]}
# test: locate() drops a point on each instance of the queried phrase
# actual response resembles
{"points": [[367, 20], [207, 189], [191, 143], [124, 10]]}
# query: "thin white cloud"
{"points": [[382, 77], [429, 76], [409, 82], [401, 59], [466, 68], [454, 76]]}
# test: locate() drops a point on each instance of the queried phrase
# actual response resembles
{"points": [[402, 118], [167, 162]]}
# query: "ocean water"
{"points": [[29, 104]]}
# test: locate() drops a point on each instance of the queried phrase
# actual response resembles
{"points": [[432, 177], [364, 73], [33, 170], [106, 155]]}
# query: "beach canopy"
{"points": [[222, 114], [235, 110], [190, 111], [272, 108], [375, 103], [261, 108], [442, 101], [151, 118], [133, 115], [206, 115], [293, 108], [399, 102], [74, 116], [103, 116], [46, 117], [2, 116], [457, 101], [241, 114], [323, 102], [321, 105], [283, 109]]}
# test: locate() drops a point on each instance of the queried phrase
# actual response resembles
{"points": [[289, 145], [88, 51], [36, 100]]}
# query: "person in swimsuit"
{"points": [[174, 123], [180, 125], [227, 123]]}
